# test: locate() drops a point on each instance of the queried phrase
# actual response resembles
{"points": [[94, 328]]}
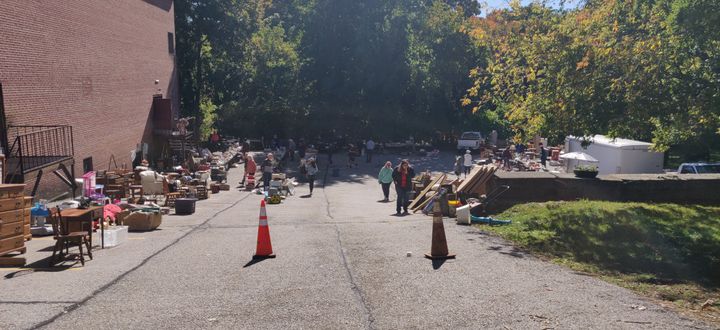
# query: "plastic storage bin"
{"points": [[115, 235], [185, 205]]}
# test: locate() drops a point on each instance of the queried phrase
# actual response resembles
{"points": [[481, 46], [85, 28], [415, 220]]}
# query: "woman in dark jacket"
{"points": [[402, 176]]}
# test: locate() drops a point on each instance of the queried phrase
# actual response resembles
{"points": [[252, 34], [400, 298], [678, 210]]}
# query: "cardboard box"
{"points": [[143, 221]]}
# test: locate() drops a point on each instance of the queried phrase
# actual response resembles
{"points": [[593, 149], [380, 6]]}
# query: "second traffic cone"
{"points": [[264, 247], [439, 249]]}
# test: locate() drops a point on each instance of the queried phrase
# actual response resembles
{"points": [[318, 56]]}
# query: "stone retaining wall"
{"points": [[542, 187]]}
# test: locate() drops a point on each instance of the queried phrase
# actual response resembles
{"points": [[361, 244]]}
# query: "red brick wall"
{"points": [[91, 64]]}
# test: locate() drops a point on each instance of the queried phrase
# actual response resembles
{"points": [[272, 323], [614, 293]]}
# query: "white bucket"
{"points": [[462, 214]]}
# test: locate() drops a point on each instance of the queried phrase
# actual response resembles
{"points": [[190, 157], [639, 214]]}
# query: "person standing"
{"points": [[250, 168], [267, 168], [468, 162], [458, 166], [351, 153], [311, 170], [402, 176], [385, 178], [330, 150], [291, 148], [543, 155], [506, 156], [301, 147], [369, 149]]}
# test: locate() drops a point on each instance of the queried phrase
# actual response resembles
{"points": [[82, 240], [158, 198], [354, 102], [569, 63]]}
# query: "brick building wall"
{"points": [[91, 64]]}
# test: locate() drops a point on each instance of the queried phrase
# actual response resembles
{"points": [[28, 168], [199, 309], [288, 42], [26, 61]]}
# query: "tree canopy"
{"points": [[648, 69]]}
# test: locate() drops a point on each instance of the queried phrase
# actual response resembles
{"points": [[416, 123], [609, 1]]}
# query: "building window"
{"points": [[87, 165], [171, 43]]}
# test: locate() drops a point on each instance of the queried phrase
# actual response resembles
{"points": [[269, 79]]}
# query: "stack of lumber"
{"points": [[425, 195], [475, 183], [477, 180]]}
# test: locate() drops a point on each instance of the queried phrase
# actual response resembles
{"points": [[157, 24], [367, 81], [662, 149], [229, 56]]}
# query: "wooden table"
{"points": [[86, 216]]}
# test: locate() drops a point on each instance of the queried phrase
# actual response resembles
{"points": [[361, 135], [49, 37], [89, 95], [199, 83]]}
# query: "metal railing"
{"points": [[35, 147]]}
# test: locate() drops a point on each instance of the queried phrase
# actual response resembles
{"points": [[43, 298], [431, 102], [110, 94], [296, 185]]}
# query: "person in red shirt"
{"points": [[402, 176], [250, 168]]}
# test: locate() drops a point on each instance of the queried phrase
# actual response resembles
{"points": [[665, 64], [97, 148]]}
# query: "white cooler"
{"points": [[462, 214]]}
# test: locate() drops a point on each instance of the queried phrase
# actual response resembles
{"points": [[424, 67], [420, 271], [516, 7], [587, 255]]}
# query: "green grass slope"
{"points": [[668, 251]]}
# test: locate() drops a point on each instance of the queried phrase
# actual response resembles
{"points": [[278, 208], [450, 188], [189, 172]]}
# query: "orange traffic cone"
{"points": [[439, 248], [264, 247]]}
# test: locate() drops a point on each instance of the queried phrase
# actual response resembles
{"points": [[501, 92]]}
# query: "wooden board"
{"points": [[482, 180], [477, 178], [424, 203], [12, 261], [420, 196], [469, 179]]}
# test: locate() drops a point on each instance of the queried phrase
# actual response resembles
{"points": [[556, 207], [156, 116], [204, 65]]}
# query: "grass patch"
{"points": [[666, 251]]}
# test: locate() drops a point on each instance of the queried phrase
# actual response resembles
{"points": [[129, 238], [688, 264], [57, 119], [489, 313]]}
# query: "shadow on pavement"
{"points": [[42, 265], [254, 261], [437, 263]]}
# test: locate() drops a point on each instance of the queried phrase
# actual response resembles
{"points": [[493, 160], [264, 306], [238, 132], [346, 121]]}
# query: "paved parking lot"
{"points": [[341, 264]]}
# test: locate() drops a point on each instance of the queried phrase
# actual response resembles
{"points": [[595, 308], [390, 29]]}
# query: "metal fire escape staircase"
{"points": [[35, 148]]}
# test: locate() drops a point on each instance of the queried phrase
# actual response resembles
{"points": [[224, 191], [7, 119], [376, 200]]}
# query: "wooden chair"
{"points": [[64, 239]]}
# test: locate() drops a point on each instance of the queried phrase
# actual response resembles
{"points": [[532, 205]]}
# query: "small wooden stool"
{"points": [[171, 197]]}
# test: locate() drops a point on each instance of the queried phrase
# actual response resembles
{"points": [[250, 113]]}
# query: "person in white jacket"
{"points": [[468, 162], [312, 169]]}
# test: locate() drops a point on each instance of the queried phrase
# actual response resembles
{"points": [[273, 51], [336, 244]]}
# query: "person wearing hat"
{"points": [[312, 169], [468, 162]]}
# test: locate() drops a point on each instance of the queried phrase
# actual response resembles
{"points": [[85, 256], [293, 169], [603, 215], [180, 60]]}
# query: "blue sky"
{"points": [[497, 4]]}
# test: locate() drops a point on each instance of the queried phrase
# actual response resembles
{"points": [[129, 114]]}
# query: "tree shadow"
{"points": [[670, 243]]}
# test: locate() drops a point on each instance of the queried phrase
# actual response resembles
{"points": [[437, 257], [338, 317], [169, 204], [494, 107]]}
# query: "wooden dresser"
{"points": [[14, 223]]}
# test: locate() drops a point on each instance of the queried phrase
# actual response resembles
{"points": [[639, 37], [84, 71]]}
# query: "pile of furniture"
{"points": [[14, 224]]}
